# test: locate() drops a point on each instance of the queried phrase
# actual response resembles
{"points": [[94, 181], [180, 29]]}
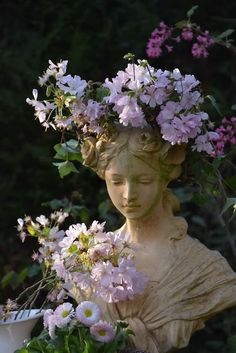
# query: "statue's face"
{"points": [[133, 186]]}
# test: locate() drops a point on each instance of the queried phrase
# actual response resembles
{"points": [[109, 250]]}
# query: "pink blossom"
{"points": [[187, 33], [99, 251], [158, 37], [97, 227], [42, 220], [130, 113], [49, 322], [103, 273], [81, 280], [138, 76], [153, 96], [226, 135], [204, 41], [203, 143], [55, 70], [93, 110], [179, 128], [199, 51], [102, 331], [72, 85], [186, 83], [35, 256]]}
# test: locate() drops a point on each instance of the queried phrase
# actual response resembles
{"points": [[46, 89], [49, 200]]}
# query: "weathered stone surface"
{"points": [[188, 283]]}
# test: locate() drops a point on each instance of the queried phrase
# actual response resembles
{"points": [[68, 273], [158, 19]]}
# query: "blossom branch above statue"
{"points": [[139, 96]]}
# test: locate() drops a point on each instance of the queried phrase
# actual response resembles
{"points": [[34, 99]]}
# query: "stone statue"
{"points": [[188, 283]]}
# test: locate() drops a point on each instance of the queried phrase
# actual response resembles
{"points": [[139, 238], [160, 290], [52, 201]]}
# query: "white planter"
{"points": [[14, 332]]}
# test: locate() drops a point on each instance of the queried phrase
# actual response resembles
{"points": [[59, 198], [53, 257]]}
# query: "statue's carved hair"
{"points": [[148, 146], [145, 144]]}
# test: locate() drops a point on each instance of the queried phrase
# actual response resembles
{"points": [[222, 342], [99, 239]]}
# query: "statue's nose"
{"points": [[130, 193]]}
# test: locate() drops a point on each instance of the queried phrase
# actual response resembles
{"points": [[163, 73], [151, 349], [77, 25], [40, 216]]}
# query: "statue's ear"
{"points": [[174, 155]]}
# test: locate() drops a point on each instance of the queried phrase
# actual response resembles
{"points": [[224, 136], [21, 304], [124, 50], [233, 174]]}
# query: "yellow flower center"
{"points": [[65, 313], [102, 332], [88, 313]]}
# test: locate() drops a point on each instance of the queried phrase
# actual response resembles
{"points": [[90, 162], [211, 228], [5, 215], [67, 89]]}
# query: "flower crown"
{"points": [[139, 96]]}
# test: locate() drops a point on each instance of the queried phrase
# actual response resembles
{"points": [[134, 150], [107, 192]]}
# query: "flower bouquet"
{"points": [[78, 265]]}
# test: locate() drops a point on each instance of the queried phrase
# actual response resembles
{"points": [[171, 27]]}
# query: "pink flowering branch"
{"points": [[164, 38]]}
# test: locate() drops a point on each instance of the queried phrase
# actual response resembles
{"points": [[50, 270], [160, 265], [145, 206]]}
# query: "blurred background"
{"points": [[94, 36]]}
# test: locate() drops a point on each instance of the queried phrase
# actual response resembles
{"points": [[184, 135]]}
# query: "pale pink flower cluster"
{"points": [[137, 96], [205, 143], [91, 259], [7, 310], [174, 98], [45, 229], [86, 313], [84, 260], [67, 106], [120, 282]]}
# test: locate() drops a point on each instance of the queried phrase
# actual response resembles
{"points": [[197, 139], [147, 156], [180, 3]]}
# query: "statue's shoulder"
{"points": [[196, 256]]}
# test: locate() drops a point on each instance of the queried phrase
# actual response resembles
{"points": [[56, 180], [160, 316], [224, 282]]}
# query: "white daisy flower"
{"points": [[88, 313], [63, 314]]}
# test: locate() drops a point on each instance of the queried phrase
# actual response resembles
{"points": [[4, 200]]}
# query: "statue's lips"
{"points": [[131, 207]]}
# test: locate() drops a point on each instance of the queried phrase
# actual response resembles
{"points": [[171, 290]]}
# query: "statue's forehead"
{"points": [[126, 163]]}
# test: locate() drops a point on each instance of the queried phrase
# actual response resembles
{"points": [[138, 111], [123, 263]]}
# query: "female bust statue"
{"points": [[188, 283]]}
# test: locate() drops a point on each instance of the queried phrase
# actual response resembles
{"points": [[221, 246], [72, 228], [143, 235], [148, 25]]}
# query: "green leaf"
{"points": [[65, 168], [22, 275], [129, 56], [101, 92], [231, 182], [225, 34], [200, 199], [69, 150], [218, 161], [7, 279], [33, 270], [49, 90], [198, 220], [233, 107], [214, 104], [232, 344], [191, 11], [229, 202], [181, 24]]}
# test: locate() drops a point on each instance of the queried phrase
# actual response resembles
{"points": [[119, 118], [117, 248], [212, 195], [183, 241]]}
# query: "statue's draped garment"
{"points": [[200, 284]]}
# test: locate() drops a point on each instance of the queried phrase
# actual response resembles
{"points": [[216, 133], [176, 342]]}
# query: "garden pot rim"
{"points": [[33, 314]]}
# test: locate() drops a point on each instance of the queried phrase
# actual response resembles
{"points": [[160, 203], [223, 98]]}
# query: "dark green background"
{"points": [[94, 35]]}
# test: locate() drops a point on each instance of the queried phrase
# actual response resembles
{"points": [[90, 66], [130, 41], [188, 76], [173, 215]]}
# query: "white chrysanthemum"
{"points": [[88, 313], [102, 331], [63, 314]]}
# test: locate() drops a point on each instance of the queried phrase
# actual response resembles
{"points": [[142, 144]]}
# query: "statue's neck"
{"points": [[153, 226]]}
